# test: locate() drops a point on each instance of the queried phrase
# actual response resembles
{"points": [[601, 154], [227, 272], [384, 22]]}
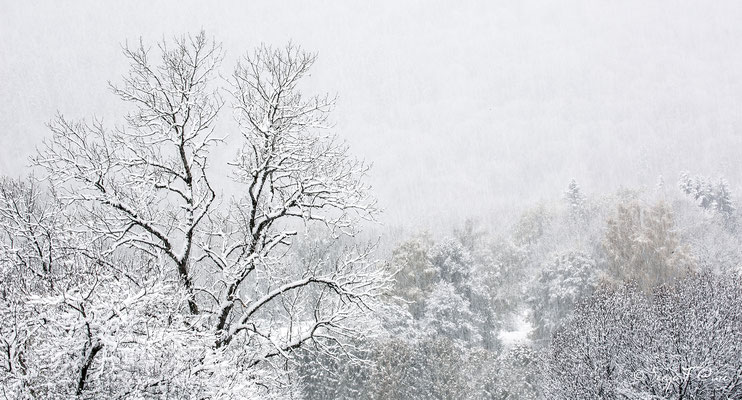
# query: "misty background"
{"points": [[465, 109]]}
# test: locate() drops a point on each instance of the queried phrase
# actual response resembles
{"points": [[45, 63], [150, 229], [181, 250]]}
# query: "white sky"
{"points": [[463, 107]]}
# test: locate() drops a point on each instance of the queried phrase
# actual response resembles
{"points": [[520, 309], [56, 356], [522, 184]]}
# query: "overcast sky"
{"points": [[463, 107]]}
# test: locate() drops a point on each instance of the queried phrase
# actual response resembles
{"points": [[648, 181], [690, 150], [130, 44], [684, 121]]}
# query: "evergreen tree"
{"points": [[575, 201], [714, 198], [723, 199]]}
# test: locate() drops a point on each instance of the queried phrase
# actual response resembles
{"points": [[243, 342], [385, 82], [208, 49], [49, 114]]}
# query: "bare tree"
{"points": [[145, 184], [29, 253], [291, 171], [270, 270], [682, 341], [40, 263], [30, 230]]}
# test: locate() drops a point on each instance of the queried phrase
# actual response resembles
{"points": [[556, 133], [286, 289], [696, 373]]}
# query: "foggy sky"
{"points": [[464, 108]]}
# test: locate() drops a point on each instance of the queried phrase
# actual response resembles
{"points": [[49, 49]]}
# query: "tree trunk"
{"points": [[97, 346]]}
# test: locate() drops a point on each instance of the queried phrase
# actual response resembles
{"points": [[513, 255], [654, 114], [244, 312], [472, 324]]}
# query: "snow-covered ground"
{"points": [[520, 332]]}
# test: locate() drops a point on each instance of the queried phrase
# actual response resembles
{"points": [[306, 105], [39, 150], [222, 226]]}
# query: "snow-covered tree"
{"points": [[189, 293], [575, 202], [472, 236], [715, 198], [592, 354], [560, 285], [448, 314], [453, 262], [65, 300], [642, 245], [415, 274], [145, 185], [33, 256], [292, 173], [426, 369], [532, 225], [506, 274], [462, 280], [723, 203], [513, 374], [32, 236], [681, 341]]}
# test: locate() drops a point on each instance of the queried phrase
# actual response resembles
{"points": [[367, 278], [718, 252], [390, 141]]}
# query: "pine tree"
{"points": [[575, 201], [686, 183], [714, 198], [723, 199]]}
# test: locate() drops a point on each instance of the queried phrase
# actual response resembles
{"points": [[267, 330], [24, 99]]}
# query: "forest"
{"points": [[138, 262]]}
